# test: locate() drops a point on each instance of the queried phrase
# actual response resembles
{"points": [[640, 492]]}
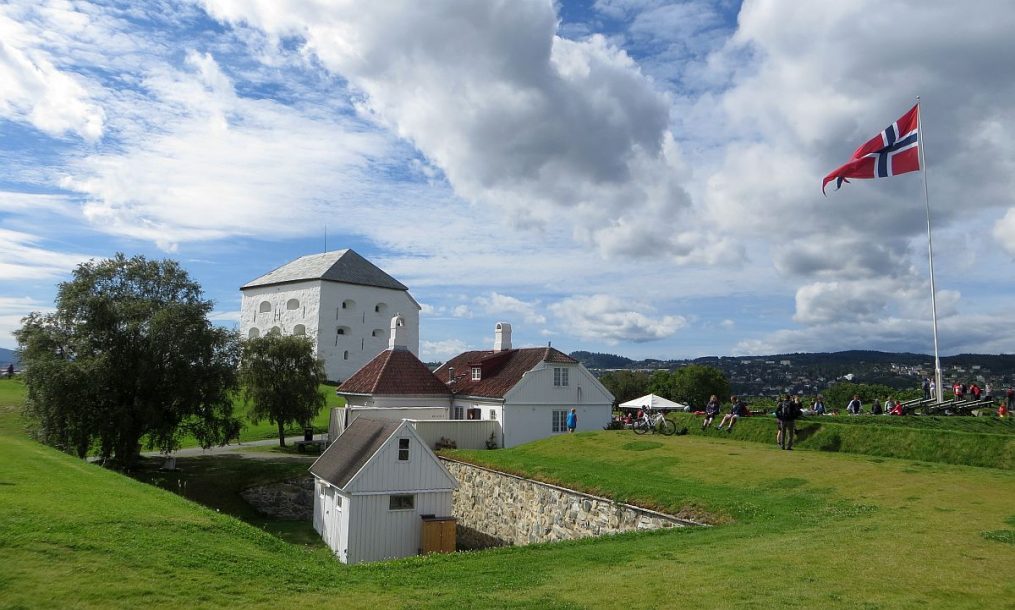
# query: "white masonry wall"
{"points": [[365, 320]]}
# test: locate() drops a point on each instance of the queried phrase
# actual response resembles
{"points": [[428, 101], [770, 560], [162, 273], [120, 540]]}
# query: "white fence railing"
{"points": [[466, 434]]}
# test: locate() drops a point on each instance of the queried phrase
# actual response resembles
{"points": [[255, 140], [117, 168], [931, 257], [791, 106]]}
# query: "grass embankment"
{"points": [[216, 482], [803, 529], [849, 531], [971, 441]]}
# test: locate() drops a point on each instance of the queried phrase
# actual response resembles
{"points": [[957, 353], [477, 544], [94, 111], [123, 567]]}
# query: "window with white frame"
{"points": [[459, 412], [402, 502], [477, 373], [559, 376], [493, 413], [559, 423], [403, 450]]}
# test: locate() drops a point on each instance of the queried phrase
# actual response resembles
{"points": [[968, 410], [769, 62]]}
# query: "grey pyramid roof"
{"points": [[344, 266]]}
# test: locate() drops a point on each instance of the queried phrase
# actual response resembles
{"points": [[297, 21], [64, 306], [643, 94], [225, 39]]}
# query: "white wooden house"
{"points": [[373, 487], [339, 299], [527, 392]]}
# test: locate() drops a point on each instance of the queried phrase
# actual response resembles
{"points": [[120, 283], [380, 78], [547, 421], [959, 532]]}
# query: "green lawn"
{"points": [[12, 396], [971, 441], [802, 529]]}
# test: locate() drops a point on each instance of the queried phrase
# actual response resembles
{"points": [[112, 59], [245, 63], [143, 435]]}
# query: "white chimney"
{"points": [[396, 339], [502, 337]]}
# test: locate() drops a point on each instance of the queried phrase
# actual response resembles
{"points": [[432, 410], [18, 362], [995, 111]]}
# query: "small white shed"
{"points": [[373, 487]]}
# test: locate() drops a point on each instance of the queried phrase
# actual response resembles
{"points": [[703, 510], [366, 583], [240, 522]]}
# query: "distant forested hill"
{"points": [[7, 356], [596, 360]]}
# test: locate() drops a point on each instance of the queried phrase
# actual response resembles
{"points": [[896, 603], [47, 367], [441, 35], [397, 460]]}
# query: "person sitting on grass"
{"points": [[711, 410], [736, 412], [897, 409], [855, 407], [818, 408]]}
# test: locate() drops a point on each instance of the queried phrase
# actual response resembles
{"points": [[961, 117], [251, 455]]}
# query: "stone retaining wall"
{"points": [[292, 499], [508, 509]]}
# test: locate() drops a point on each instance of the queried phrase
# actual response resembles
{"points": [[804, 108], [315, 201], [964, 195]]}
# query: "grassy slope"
{"points": [[853, 531], [974, 441]]}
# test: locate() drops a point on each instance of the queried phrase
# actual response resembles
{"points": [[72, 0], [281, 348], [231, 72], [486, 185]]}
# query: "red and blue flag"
{"points": [[892, 152]]}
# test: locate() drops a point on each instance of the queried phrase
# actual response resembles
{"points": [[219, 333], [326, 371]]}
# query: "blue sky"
{"points": [[632, 176]]}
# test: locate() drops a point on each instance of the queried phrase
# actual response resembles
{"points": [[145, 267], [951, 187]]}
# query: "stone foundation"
{"points": [[292, 499], [506, 509]]}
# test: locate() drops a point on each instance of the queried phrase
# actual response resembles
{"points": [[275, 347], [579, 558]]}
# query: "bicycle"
{"points": [[656, 423]]}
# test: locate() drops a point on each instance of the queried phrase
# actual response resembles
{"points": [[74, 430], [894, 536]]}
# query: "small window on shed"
{"points": [[381, 307], [299, 329], [264, 307], [253, 333], [402, 502], [292, 304], [348, 304], [403, 450], [342, 330]]}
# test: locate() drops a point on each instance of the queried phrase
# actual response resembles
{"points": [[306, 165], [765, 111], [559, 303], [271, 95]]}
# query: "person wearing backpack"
{"points": [[790, 412]]}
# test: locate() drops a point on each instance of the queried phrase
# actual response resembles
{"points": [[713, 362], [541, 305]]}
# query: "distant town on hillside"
{"points": [[812, 373]]}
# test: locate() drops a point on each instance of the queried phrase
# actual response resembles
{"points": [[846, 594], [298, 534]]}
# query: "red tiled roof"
{"points": [[501, 371], [394, 371]]}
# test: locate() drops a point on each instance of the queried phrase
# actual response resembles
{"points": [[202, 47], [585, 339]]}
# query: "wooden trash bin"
{"points": [[438, 535]]}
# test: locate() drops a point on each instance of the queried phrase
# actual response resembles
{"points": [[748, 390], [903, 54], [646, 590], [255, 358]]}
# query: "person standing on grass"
{"points": [[572, 421], [781, 408], [926, 388], [711, 410], [1009, 397], [787, 414]]}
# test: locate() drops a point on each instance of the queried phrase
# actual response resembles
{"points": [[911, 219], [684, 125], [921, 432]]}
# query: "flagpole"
{"points": [[939, 387]]}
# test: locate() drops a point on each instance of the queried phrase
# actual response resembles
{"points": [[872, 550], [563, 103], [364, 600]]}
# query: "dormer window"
{"points": [[560, 376], [477, 373]]}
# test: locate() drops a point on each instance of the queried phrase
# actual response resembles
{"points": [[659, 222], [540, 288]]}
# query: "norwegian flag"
{"points": [[892, 152]]}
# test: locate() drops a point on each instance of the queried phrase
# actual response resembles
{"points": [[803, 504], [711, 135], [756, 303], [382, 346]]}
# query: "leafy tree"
{"points": [[661, 383], [693, 384], [129, 356], [281, 377], [625, 385]]}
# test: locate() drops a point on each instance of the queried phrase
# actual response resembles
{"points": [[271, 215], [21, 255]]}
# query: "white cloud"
{"points": [[608, 318], [498, 304], [543, 128], [21, 258], [222, 166], [37, 92], [12, 310], [1004, 232], [441, 350]]}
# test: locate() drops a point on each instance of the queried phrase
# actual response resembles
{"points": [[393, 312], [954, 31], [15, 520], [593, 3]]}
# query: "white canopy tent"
{"points": [[653, 402]]}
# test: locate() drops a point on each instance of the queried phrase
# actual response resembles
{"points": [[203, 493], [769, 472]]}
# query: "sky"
{"points": [[636, 177]]}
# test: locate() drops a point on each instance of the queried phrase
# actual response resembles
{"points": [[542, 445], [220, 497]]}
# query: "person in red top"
{"points": [[1002, 410], [897, 409], [975, 390], [957, 390]]}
